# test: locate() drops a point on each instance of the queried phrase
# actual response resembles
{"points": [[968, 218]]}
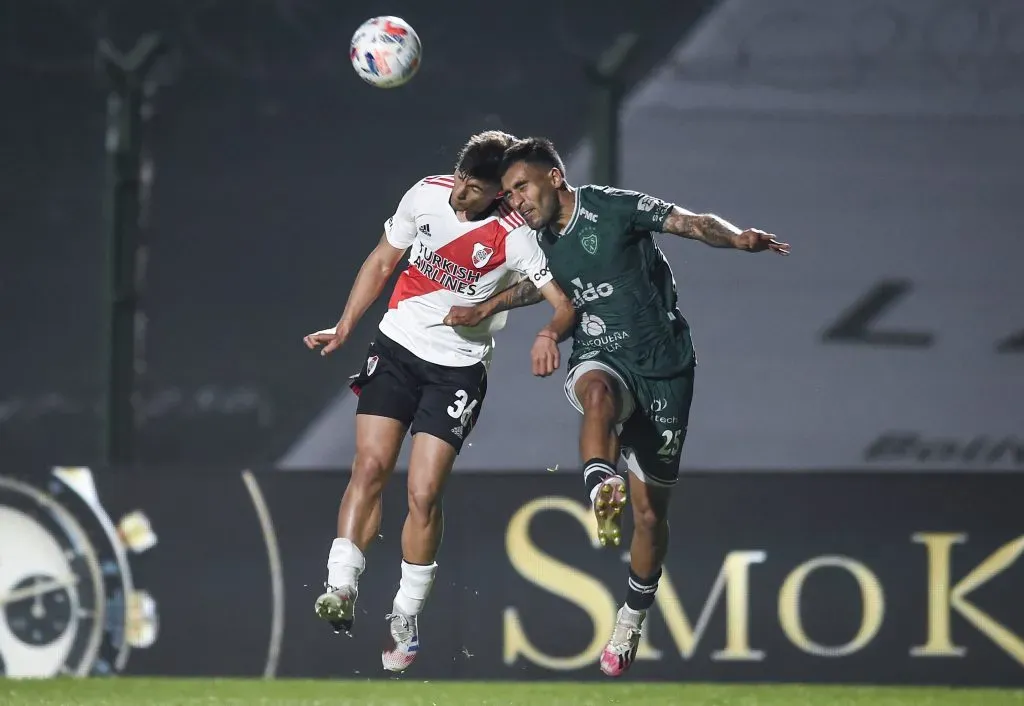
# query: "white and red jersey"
{"points": [[454, 263]]}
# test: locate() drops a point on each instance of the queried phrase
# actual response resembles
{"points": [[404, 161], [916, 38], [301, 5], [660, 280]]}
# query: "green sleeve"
{"points": [[641, 211]]}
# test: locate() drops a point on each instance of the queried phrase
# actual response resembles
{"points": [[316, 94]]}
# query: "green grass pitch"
{"points": [[409, 692]]}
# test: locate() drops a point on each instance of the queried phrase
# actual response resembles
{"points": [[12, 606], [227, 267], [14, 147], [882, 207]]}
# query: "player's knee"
{"points": [[598, 398], [424, 502], [645, 519], [648, 516], [369, 473]]}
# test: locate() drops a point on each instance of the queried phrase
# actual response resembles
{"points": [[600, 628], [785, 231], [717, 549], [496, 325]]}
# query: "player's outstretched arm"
{"points": [[370, 282], [720, 233]]}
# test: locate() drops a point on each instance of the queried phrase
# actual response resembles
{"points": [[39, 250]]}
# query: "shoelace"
{"points": [[623, 633], [402, 632], [334, 589]]}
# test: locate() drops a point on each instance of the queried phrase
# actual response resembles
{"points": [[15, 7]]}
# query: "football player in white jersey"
{"points": [[424, 377]]}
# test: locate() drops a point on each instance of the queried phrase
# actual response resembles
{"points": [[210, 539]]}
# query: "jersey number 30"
{"points": [[460, 410]]}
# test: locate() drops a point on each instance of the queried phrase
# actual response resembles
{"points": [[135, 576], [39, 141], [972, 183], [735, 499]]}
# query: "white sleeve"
{"points": [[400, 229], [523, 255]]}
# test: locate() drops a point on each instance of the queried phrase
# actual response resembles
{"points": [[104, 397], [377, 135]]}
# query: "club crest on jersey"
{"points": [[589, 242], [481, 255], [371, 364]]}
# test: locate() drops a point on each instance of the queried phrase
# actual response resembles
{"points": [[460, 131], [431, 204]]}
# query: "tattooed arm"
{"points": [[521, 294], [720, 233], [706, 227]]}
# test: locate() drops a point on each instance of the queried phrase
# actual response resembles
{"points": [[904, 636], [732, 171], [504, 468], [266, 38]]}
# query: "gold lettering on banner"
{"points": [[872, 600], [731, 592], [734, 580], [944, 598], [563, 580], [591, 596]]}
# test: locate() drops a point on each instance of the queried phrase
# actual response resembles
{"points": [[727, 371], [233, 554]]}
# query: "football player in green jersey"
{"points": [[632, 364]]}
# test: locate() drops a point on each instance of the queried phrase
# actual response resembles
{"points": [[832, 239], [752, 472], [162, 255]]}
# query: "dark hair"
{"points": [[481, 156], [532, 150]]}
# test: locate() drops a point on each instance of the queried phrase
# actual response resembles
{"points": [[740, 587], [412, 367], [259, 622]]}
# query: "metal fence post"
{"points": [[129, 175], [606, 79]]}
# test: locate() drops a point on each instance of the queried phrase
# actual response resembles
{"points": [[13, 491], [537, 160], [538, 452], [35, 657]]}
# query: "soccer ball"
{"points": [[386, 52]]}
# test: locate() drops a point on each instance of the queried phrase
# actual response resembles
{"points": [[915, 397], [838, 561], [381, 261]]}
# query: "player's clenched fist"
{"points": [[463, 316], [330, 338]]}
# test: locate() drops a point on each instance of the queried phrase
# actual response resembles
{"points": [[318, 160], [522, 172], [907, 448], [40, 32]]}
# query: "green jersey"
{"points": [[609, 264]]}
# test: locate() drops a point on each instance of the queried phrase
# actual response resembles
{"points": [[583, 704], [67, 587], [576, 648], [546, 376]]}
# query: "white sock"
{"points": [[344, 564], [633, 617], [414, 588]]}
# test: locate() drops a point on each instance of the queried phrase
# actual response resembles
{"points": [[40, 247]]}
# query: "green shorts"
{"points": [[653, 419]]}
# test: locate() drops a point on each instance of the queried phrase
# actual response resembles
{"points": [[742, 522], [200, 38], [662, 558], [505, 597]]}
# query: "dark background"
{"points": [[207, 563], [275, 168]]}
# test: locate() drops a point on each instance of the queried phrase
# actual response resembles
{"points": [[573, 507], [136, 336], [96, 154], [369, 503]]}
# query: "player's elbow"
{"points": [[566, 312], [383, 260], [556, 297], [385, 268], [375, 270], [566, 307]]}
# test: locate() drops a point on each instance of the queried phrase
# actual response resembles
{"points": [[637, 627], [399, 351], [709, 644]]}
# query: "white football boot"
{"points": [[337, 606], [620, 651], [405, 642]]}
